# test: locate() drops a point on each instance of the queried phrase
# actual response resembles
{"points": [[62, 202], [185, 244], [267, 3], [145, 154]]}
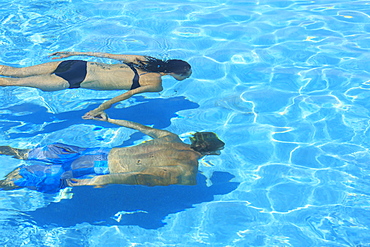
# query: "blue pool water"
{"points": [[284, 83]]}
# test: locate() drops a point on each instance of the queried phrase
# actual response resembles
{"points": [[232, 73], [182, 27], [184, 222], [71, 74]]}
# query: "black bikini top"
{"points": [[135, 81]]}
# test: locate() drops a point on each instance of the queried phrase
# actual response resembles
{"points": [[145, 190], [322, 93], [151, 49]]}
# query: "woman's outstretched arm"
{"points": [[155, 176], [119, 57], [107, 104]]}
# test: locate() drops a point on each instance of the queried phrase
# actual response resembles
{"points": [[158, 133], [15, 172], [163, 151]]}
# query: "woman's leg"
{"points": [[41, 69], [43, 82]]}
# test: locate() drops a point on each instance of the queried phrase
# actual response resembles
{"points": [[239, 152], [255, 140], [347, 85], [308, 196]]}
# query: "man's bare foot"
{"points": [[17, 153], [8, 182]]}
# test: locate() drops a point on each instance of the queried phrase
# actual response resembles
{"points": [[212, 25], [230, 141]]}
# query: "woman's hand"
{"points": [[61, 54]]}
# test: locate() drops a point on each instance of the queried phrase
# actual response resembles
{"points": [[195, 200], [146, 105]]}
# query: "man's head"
{"points": [[206, 143]]}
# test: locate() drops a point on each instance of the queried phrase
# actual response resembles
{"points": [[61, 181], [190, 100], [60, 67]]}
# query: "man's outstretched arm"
{"points": [[155, 176]]}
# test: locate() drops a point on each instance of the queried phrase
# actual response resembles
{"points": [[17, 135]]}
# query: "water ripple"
{"points": [[285, 84]]}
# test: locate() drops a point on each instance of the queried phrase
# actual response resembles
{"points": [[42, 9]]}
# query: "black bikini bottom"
{"points": [[73, 71]]}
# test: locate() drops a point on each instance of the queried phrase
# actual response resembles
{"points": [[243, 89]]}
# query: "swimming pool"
{"points": [[284, 83]]}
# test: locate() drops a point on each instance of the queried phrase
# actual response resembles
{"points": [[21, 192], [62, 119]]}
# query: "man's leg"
{"points": [[15, 152], [40, 177], [8, 182], [50, 176]]}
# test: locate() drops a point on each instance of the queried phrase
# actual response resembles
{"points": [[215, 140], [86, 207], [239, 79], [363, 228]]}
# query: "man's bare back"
{"points": [[166, 151], [167, 157], [164, 160]]}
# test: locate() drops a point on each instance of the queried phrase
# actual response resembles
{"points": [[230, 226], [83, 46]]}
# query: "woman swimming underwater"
{"points": [[137, 74]]}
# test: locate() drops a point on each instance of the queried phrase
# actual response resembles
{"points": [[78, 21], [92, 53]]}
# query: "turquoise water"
{"points": [[283, 83]]}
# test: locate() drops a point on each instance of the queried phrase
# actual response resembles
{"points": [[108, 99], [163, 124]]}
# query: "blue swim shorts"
{"points": [[55, 163]]}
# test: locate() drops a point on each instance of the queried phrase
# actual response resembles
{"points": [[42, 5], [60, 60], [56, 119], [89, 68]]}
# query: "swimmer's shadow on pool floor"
{"points": [[143, 206], [24, 117]]}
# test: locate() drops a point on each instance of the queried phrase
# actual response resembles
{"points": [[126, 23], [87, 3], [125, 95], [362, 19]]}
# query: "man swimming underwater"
{"points": [[164, 160]]}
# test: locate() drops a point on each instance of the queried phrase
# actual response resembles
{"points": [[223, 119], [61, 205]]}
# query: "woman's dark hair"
{"points": [[170, 66], [206, 143]]}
